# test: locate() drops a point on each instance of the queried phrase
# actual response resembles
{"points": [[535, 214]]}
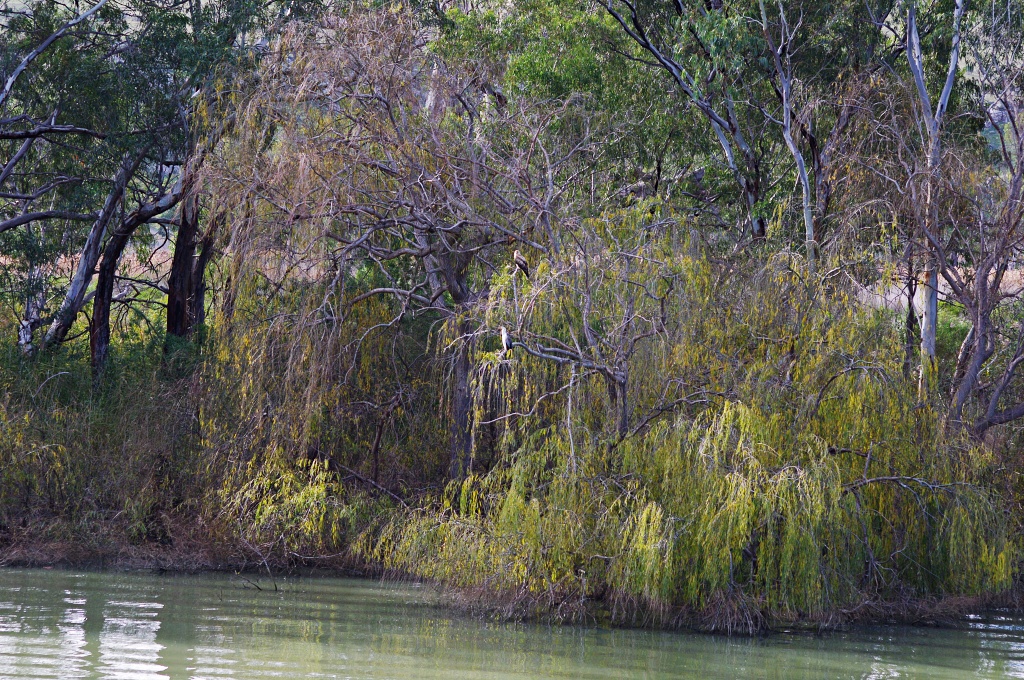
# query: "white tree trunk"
{"points": [[780, 57], [35, 301], [929, 322], [74, 299], [933, 119]]}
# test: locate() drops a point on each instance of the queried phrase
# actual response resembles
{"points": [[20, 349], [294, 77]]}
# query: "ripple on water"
{"points": [[135, 627]]}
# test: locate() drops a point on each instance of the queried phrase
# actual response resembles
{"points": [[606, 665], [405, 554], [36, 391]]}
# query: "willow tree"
{"points": [[380, 170], [603, 309], [775, 468]]}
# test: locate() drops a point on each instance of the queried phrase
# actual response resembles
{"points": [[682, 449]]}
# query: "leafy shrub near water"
{"points": [[94, 466], [705, 520], [815, 483]]}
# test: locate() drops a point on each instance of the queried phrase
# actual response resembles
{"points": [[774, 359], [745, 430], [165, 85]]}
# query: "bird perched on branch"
{"points": [[521, 264], [506, 342]]}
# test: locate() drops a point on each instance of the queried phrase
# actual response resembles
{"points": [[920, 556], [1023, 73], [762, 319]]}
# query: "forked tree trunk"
{"points": [[75, 297], [783, 69], [99, 329], [186, 286], [933, 120], [197, 306], [758, 226]]}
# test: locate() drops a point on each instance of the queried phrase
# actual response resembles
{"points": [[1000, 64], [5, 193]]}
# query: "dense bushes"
{"points": [[94, 467]]}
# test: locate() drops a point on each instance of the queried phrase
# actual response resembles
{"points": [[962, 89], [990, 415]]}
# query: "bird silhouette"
{"points": [[522, 264], [506, 342]]}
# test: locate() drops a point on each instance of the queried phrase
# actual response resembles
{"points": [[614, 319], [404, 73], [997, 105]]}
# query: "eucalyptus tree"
{"points": [[709, 53], [925, 191], [782, 49], [561, 49], [940, 164], [769, 79], [99, 124], [977, 239], [59, 103]]}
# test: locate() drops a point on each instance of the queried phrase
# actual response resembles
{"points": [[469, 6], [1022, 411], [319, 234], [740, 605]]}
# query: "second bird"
{"points": [[521, 263]]}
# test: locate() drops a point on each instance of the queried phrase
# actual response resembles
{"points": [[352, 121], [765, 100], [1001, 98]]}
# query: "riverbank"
{"points": [[183, 547], [813, 498], [193, 552]]}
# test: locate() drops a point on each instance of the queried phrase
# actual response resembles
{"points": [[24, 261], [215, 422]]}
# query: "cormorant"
{"points": [[521, 263]]}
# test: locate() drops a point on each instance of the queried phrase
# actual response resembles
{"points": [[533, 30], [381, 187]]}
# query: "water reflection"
{"points": [[128, 646], [133, 627]]}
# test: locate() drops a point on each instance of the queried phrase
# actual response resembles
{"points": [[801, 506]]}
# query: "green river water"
{"points": [[65, 624]]}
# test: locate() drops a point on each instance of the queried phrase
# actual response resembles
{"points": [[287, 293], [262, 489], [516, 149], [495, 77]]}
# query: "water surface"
{"points": [[56, 624]]}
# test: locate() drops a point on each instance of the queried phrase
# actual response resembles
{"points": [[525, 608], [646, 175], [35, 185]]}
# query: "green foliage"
{"points": [[283, 510], [950, 332], [813, 482], [96, 465]]}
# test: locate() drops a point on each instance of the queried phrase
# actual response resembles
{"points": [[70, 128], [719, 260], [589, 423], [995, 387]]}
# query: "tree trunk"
{"points": [[622, 406], [758, 227], [974, 353], [462, 413], [822, 201], [378, 433], [197, 308], [929, 324], [74, 299], [181, 293], [99, 331], [933, 120], [35, 301], [783, 70], [805, 185], [913, 331]]}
